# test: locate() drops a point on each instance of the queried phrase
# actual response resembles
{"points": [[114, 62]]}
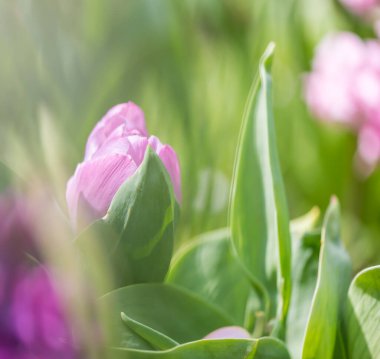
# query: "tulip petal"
{"points": [[138, 145], [134, 146], [170, 161], [121, 120], [95, 182], [233, 332]]}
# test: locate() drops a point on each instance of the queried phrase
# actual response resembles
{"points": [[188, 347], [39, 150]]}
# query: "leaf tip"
{"points": [[266, 58], [123, 317]]}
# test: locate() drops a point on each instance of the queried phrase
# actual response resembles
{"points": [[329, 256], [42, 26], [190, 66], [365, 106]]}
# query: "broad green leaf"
{"points": [[208, 268], [168, 310], [136, 235], [258, 211], [363, 315], [263, 348], [334, 270]]}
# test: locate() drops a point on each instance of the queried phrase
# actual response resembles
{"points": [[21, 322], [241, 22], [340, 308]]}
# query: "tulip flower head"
{"points": [[115, 149], [344, 87]]}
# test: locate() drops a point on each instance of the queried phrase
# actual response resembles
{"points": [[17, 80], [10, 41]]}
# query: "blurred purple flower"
{"points": [[32, 321], [114, 151], [344, 86], [233, 332]]}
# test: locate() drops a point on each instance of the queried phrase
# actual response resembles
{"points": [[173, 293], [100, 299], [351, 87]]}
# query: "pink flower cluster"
{"points": [[115, 149], [344, 87], [361, 7]]}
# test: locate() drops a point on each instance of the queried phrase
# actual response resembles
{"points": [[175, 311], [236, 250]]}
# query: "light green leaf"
{"points": [[305, 254], [166, 309], [136, 236], [263, 348], [258, 211], [334, 270], [305, 273], [208, 268], [363, 315]]}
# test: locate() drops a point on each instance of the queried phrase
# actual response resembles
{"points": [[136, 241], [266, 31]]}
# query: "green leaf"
{"points": [[153, 337], [363, 315], [136, 236], [208, 268], [305, 272], [334, 270], [258, 211], [166, 309], [263, 348], [305, 254]]}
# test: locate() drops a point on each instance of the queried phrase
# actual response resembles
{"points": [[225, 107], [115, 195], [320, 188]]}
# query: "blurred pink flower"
{"points": [[233, 332], [114, 151], [344, 87], [360, 7]]}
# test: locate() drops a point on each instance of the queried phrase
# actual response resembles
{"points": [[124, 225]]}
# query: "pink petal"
{"points": [[339, 52], [95, 183], [138, 145], [367, 89], [369, 145], [120, 120], [171, 163], [133, 146], [329, 98], [233, 332], [155, 143]]}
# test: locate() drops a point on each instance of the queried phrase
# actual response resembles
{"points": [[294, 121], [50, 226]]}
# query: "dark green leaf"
{"points": [[208, 268], [363, 315], [166, 309], [258, 211]]}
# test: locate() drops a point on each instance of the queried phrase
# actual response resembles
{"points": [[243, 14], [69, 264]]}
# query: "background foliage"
{"points": [[189, 65]]}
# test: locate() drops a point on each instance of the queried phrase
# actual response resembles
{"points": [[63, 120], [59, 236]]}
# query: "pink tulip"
{"points": [[233, 332], [115, 149], [344, 87]]}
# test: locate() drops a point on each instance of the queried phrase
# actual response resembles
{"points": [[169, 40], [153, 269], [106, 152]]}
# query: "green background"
{"points": [[189, 65]]}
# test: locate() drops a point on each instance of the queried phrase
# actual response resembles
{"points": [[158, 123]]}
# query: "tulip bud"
{"points": [[115, 149]]}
